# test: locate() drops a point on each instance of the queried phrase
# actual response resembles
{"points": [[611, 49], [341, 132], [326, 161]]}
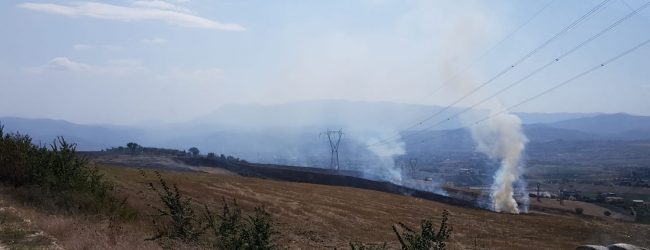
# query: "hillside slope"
{"points": [[312, 216], [609, 124]]}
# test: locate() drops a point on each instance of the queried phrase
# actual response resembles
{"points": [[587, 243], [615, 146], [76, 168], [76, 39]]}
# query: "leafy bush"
{"points": [[55, 177], [233, 231], [409, 239], [427, 237], [176, 218]]}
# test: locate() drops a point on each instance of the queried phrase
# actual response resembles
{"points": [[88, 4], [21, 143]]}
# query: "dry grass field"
{"points": [[309, 216]]}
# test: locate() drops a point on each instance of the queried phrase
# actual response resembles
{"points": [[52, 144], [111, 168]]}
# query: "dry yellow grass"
{"points": [[83, 232], [318, 216], [309, 216]]}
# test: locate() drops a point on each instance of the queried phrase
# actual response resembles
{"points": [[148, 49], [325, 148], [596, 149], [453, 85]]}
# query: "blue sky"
{"points": [[125, 62]]}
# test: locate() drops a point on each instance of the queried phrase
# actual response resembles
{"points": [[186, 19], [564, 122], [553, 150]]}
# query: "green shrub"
{"points": [[231, 230], [409, 239], [55, 177], [176, 218], [427, 237]]}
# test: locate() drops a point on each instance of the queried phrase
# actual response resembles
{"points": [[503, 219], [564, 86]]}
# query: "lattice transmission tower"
{"points": [[334, 137]]}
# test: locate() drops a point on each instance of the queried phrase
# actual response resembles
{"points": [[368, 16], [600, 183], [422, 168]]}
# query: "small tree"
{"points": [[427, 237], [133, 147], [194, 151], [176, 219], [233, 231]]}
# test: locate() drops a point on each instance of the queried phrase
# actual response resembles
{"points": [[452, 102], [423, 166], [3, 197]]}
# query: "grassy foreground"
{"points": [[316, 216]]}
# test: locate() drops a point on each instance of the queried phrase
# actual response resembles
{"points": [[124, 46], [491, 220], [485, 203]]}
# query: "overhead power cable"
{"points": [[487, 52], [504, 71], [578, 76], [529, 99], [541, 68]]}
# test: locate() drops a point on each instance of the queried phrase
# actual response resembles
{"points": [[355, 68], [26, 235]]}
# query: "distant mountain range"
{"points": [[352, 114], [615, 125], [88, 137], [244, 129]]}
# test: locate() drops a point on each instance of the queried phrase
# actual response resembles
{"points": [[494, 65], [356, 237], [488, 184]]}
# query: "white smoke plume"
{"points": [[501, 138], [385, 169]]}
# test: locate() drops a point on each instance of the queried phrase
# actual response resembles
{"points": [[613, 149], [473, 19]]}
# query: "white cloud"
{"points": [[162, 5], [112, 67], [152, 11], [154, 40]]}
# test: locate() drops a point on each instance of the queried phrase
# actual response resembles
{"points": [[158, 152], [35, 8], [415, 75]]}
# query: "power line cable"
{"points": [[504, 71], [592, 69], [557, 59], [487, 52], [574, 78]]}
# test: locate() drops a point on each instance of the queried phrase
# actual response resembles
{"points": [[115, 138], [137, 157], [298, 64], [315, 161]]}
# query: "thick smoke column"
{"points": [[501, 139]]}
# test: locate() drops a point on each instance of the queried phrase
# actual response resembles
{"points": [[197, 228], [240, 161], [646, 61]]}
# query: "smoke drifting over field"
{"points": [[386, 168]]}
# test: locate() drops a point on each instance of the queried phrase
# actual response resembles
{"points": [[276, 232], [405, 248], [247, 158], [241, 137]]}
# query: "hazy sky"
{"points": [[126, 62]]}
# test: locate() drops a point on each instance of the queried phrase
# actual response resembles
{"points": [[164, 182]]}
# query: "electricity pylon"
{"points": [[334, 137], [413, 164]]}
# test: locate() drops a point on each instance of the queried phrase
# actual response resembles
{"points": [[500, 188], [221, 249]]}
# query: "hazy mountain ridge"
{"points": [[240, 128], [607, 124], [363, 114], [87, 137]]}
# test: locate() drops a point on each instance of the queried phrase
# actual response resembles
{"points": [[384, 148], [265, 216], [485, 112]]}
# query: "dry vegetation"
{"points": [[314, 216], [82, 231], [18, 233], [305, 216]]}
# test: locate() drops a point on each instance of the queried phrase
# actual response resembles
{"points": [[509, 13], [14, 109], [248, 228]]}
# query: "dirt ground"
{"points": [[16, 232], [309, 216], [312, 216], [588, 208]]}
